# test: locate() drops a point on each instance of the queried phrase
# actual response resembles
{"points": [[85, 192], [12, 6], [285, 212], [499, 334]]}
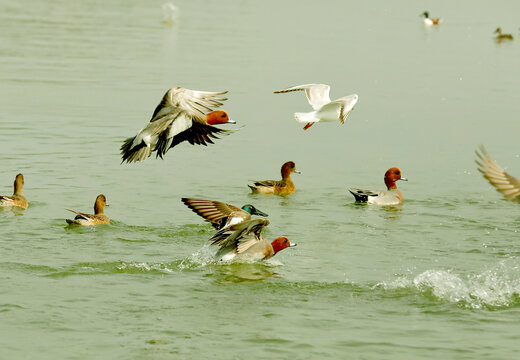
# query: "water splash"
{"points": [[496, 287]]}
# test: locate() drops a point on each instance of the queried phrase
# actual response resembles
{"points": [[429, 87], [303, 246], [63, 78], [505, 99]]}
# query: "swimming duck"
{"points": [[17, 199], [391, 196], [280, 187], [428, 21], [178, 117], [220, 214], [501, 36], [244, 242], [324, 109], [506, 184], [98, 218]]}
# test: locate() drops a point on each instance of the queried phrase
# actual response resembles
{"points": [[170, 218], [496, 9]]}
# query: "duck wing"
{"points": [[215, 212], [194, 102], [241, 236], [363, 195], [80, 215], [6, 200], [505, 183], [317, 94], [270, 183]]}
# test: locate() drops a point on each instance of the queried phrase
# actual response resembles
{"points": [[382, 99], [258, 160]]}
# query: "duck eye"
{"points": [[397, 173], [223, 115]]}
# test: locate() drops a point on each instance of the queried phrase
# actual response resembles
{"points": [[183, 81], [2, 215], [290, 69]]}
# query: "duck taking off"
{"points": [[244, 242], [325, 110], [220, 214]]}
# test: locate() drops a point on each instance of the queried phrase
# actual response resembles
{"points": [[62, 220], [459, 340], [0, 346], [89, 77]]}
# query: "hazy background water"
{"points": [[437, 277]]}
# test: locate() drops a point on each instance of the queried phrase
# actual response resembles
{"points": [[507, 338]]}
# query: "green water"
{"points": [[438, 277]]}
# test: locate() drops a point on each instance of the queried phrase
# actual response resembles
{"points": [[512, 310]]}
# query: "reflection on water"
{"points": [[240, 272]]}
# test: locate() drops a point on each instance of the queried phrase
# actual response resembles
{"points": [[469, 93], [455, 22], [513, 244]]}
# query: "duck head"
{"points": [[288, 168], [391, 176], [218, 117], [253, 211], [18, 184], [100, 203], [426, 14], [281, 243]]}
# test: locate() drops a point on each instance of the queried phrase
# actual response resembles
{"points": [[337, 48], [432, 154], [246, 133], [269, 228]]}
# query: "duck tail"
{"points": [[359, 195], [253, 188], [132, 153]]}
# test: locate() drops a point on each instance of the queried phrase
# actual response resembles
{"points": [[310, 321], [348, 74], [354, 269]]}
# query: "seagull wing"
{"points": [[317, 94]]}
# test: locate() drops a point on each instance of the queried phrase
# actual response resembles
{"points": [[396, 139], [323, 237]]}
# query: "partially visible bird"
{"points": [[277, 187], [501, 36], [17, 199], [325, 110], [244, 242], [171, 13], [220, 214], [391, 196], [505, 183], [178, 117], [428, 21], [98, 218]]}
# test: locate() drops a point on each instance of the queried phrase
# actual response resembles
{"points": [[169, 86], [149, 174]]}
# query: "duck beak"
{"points": [[259, 213], [292, 244], [404, 179], [231, 121], [297, 172]]}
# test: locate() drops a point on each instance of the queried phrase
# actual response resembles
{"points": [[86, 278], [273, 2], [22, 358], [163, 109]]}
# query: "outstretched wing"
{"points": [[212, 211], [505, 183], [317, 94], [194, 102], [241, 236]]}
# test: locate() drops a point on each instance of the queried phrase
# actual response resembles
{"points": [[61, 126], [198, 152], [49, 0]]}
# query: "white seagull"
{"points": [[324, 108]]}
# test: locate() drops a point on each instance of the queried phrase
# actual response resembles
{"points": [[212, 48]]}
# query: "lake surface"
{"points": [[438, 277]]}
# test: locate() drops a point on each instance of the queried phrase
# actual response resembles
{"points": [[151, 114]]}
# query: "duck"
{"points": [[244, 242], [220, 214], [506, 184], [17, 199], [325, 110], [280, 187], [501, 36], [428, 21], [391, 196], [98, 218], [180, 116]]}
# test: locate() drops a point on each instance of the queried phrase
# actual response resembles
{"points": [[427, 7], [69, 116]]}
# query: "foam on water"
{"points": [[496, 287]]}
